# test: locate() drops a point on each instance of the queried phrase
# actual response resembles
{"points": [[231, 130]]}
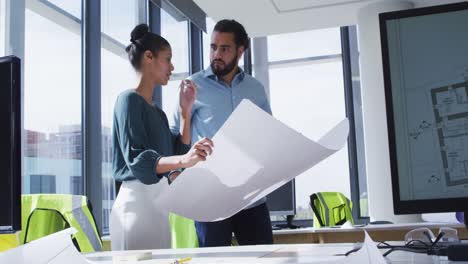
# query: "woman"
{"points": [[144, 149]]}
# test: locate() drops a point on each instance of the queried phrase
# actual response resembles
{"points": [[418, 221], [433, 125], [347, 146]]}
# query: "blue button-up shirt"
{"points": [[216, 101]]}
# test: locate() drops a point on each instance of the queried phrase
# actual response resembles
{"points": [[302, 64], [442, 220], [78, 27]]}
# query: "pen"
{"points": [[182, 260]]}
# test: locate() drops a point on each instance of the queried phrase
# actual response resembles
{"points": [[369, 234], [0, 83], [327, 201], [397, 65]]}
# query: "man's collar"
{"points": [[209, 73]]}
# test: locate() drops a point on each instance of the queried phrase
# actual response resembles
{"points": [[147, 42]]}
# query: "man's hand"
{"points": [[187, 96]]}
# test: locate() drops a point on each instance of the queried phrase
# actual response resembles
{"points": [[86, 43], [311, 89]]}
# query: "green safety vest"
{"points": [[331, 209], [44, 214], [183, 232], [8, 241]]}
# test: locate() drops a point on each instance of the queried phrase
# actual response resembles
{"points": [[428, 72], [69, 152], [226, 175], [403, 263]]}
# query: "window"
{"points": [[304, 44], [176, 32], [358, 123], [210, 23], [2, 27], [52, 97], [76, 185], [309, 97], [72, 7], [118, 18], [42, 183]]}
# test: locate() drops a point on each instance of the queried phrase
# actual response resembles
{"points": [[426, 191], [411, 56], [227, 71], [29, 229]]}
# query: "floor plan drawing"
{"points": [[450, 107]]}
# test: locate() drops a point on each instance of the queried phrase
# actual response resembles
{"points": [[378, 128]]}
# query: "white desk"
{"points": [[298, 253], [387, 232], [390, 232]]}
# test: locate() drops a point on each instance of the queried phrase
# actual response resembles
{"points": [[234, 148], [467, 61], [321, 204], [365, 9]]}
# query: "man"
{"points": [[221, 88]]}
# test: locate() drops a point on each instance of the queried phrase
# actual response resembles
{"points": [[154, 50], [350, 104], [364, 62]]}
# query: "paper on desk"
{"points": [[52, 249], [369, 253], [254, 155]]}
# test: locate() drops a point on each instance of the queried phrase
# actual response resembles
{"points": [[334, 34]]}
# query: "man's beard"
{"points": [[228, 67]]}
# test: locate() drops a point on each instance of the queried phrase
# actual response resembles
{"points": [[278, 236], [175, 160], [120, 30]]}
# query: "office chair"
{"points": [[331, 209], [183, 232]]}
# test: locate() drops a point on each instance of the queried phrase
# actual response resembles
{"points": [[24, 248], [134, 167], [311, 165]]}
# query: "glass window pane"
{"points": [[358, 123], [319, 88], [169, 96], [2, 27], [117, 75], [176, 32], [72, 7], [52, 104], [304, 44], [207, 41], [119, 17]]}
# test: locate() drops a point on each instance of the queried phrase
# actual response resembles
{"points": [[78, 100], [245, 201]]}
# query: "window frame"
{"points": [[354, 154]]}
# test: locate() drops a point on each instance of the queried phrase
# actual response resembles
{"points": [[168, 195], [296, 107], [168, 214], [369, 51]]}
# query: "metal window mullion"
{"points": [[349, 105], [195, 48], [142, 12], [91, 105], [248, 60], [15, 25], [154, 22], [261, 67]]}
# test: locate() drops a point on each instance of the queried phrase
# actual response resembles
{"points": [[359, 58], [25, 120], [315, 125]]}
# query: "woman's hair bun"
{"points": [[143, 40], [138, 32]]}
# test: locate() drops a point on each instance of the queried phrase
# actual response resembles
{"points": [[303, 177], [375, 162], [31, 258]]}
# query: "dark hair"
{"points": [[142, 40], [231, 26]]}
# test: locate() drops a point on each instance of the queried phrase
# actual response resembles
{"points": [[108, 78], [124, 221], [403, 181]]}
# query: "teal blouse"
{"points": [[141, 136]]}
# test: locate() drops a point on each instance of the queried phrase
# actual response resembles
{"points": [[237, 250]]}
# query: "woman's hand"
{"points": [[187, 95], [174, 175], [199, 151]]}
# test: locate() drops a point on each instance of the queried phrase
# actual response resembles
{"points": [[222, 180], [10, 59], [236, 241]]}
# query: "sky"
{"points": [[308, 98]]}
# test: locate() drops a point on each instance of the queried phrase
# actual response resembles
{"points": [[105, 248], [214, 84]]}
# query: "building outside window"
{"points": [[42, 184], [52, 96]]}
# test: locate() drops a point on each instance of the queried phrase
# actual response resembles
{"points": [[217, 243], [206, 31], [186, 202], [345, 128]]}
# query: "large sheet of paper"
{"points": [[56, 248], [367, 254], [254, 155]]}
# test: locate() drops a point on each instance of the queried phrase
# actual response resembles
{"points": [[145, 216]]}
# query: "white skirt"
{"points": [[135, 223]]}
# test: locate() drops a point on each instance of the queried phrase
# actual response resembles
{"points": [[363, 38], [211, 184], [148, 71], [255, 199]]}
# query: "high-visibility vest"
{"points": [[8, 241], [331, 209], [183, 232], [44, 214]]}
